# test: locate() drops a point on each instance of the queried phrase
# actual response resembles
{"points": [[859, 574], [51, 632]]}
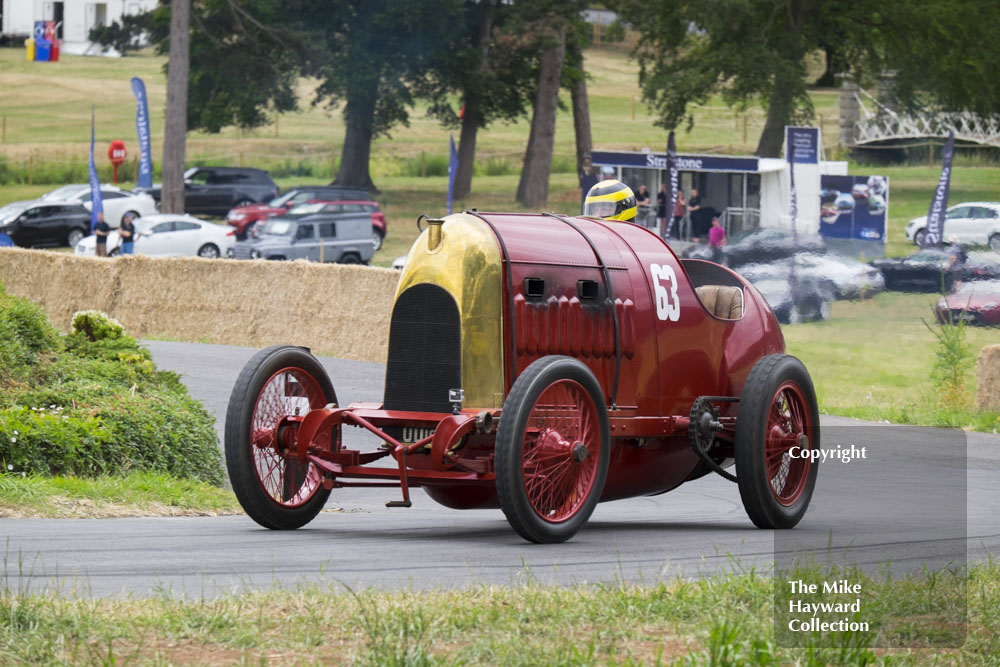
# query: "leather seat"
{"points": [[723, 301]]}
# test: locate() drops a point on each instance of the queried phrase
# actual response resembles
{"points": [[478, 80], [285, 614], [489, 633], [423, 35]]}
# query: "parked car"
{"points": [[925, 271], [344, 238], [216, 190], [971, 223], [116, 201], [768, 244], [243, 217], [808, 301], [976, 302], [170, 235], [42, 223], [378, 228], [845, 277]]}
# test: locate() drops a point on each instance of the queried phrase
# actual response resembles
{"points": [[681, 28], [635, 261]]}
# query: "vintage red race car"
{"points": [[542, 364]]}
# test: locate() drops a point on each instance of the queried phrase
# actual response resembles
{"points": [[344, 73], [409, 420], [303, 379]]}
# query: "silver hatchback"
{"points": [[343, 238]]}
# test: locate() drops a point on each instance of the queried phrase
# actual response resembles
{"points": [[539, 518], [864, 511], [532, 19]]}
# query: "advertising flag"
{"points": [[452, 172], [96, 204], [793, 201], [145, 176], [672, 175], [935, 216]]}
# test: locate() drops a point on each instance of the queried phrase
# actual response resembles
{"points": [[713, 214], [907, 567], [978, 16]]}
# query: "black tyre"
{"points": [[918, 238], [552, 449], [350, 258], [74, 236], [377, 238], [276, 489], [209, 251], [778, 419], [994, 242]]}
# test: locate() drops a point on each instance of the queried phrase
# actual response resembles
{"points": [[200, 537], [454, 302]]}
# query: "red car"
{"points": [[353, 200], [975, 302], [540, 364]]}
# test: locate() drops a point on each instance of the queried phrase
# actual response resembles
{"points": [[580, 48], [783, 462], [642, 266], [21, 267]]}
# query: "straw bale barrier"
{"points": [[334, 309], [988, 370]]}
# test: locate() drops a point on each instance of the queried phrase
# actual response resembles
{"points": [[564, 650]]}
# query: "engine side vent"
{"points": [[425, 350]]}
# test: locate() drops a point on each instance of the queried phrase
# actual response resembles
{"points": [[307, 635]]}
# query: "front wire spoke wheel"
{"points": [[277, 388], [552, 449]]}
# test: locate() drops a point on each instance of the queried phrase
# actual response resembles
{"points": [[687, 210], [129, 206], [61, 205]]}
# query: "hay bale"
{"points": [[988, 372], [334, 309]]}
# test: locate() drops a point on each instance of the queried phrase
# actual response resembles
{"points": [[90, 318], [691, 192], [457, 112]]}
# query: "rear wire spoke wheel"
{"points": [[552, 449], [273, 393], [778, 421]]}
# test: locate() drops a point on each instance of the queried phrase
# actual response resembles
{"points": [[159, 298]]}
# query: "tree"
{"points": [[755, 50], [533, 188], [491, 65], [580, 102], [248, 56], [175, 128]]}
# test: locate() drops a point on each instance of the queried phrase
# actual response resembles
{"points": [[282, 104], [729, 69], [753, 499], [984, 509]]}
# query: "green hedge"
{"points": [[92, 402]]}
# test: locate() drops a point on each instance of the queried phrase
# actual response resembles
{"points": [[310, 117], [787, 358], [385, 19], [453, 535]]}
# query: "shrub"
{"points": [[953, 360], [93, 402], [95, 325]]}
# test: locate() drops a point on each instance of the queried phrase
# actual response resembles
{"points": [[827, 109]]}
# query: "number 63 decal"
{"points": [[668, 305]]}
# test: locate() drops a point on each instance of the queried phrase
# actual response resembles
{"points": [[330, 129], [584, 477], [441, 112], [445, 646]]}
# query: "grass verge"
{"points": [[133, 494], [873, 359], [720, 620]]}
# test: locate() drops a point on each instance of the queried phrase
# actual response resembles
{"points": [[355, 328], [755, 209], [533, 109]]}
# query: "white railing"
{"points": [[884, 124]]}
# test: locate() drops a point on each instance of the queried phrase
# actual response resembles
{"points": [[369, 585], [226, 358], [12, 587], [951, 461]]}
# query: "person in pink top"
{"points": [[716, 239]]}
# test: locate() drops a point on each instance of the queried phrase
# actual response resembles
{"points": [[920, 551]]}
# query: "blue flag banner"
{"points": [[672, 175], [452, 172], [96, 204], [935, 216], [145, 176]]}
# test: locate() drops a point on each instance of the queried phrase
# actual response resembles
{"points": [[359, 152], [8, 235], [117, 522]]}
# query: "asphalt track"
{"points": [[698, 529]]}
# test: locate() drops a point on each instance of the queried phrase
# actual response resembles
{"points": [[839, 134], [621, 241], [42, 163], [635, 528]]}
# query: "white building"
{"points": [[74, 18]]}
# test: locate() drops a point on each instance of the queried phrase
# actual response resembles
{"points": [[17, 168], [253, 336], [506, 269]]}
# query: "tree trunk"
{"points": [[175, 128], [472, 119], [533, 189], [356, 153], [467, 146], [779, 113], [581, 114]]}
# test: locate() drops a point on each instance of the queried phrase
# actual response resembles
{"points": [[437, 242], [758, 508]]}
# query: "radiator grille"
{"points": [[425, 353]]}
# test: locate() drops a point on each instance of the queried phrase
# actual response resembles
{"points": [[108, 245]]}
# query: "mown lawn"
{"points": [[872, 360]]}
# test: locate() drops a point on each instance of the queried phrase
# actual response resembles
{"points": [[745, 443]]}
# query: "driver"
{"points": [[611, 200]]}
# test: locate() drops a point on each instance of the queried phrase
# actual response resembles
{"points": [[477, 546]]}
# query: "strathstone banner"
{"points": [[145, 176], [935, 216]]}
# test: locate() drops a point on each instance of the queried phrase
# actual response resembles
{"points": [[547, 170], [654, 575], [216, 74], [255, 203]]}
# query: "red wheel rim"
{"points": [[284, 400], [561, 451], [789, 425]]}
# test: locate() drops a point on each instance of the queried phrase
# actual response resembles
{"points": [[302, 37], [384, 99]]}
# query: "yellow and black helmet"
{"points": [[611, 200]]}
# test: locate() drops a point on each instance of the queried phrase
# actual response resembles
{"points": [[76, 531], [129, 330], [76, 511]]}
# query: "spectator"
{"points": [[680, 208], [716, 239], [693, 206], [126, 234], [101, 231], [642, 201], [956, 262], [661, 211], [588, 179]]}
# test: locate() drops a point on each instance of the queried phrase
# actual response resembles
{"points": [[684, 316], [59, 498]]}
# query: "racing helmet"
{"points": [[611, 200]]}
